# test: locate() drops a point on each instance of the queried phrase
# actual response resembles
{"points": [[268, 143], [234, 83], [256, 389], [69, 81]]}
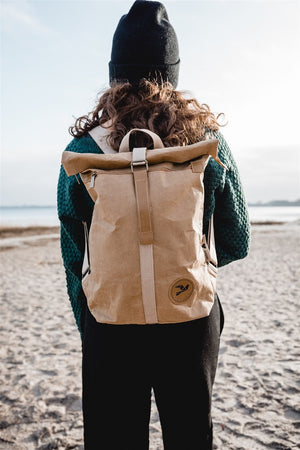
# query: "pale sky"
{"points": [[240, 57]]}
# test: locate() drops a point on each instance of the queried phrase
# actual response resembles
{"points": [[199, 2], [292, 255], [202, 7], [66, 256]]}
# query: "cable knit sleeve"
{"points": [[74, 206], [227, 201]]}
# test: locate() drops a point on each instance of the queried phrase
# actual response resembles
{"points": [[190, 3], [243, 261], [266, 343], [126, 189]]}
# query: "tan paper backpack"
{"points": [[147, 260]]}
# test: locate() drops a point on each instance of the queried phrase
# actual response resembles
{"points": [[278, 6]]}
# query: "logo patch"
{"points": [[181, 290]]}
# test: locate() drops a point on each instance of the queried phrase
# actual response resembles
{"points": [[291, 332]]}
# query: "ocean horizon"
{"points": [[24, 216]]}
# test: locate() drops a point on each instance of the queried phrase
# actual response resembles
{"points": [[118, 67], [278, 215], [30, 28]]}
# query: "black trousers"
{"points": [[121, 363]]}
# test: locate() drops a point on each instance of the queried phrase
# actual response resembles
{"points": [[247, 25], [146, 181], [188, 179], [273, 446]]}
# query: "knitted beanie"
{"points": [[145, 46]]}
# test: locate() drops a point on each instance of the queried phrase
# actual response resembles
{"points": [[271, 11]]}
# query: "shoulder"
{"points": [[83, 144], [224, 152], [214, 174]]}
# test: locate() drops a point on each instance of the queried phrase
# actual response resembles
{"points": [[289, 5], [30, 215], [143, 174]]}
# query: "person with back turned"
{"points": [[122, 363]]}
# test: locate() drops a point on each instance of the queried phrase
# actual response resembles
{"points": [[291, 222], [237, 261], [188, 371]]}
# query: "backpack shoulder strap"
{"points": [[99, 134], [211, 241]]}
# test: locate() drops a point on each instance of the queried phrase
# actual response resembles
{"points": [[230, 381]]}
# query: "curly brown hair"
{"points": [[158, 107]]}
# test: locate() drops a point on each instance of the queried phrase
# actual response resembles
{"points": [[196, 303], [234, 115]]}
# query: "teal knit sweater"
{"points": [[223, 196]]}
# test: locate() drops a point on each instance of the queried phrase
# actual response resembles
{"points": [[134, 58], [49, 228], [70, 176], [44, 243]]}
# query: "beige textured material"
{"points": [[149, 261], [79, 162]]}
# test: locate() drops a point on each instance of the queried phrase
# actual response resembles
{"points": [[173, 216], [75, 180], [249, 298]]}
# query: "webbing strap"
{"points": [[143, 205], [211, 241], [147, 281], [86, 258], [140, 174], [100, 134]]}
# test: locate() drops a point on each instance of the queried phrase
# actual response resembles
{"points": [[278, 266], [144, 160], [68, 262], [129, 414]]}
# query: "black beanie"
{"points": [[145, 46]]}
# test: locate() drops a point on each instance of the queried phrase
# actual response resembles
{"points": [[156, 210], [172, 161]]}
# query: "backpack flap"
{"points": [[75, 163]]}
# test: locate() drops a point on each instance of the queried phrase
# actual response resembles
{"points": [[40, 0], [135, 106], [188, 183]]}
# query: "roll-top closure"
{"points": [[75, 163]]}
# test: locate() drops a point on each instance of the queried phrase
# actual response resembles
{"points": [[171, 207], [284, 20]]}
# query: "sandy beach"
{"points": [[256, 393]]}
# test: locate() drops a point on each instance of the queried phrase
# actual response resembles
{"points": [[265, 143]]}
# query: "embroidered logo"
{"points": [[181, 290]]}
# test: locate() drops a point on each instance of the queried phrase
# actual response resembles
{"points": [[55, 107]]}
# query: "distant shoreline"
{"points": [[37, 230], [40, 220], [274, 203], [28, 207]]}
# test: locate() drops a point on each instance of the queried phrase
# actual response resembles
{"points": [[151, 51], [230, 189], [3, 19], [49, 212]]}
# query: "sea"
{"points": [[24, 216]]}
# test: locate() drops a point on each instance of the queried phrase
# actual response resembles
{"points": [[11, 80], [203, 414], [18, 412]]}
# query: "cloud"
{"points": [[18, 13]]}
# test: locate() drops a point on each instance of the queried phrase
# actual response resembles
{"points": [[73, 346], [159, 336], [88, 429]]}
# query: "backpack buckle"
{"points": [[139, 158], [139, 163]]}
